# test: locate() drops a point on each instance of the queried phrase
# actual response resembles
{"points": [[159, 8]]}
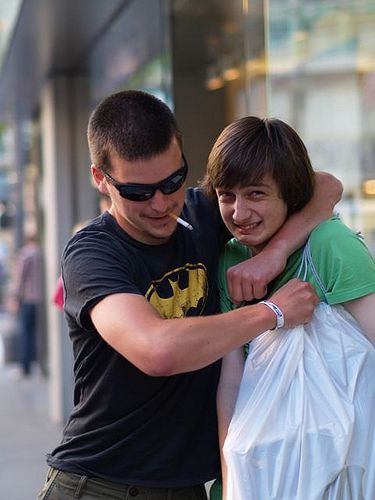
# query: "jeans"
{"points": [[62, 485], [28, 335]]}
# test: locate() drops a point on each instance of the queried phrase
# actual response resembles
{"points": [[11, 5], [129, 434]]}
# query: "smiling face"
{"points": [[264, 155], [145, 221], [254, 213]]}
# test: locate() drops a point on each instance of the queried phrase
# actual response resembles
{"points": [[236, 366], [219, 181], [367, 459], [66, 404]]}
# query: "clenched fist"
{"points": [[297, 300]]}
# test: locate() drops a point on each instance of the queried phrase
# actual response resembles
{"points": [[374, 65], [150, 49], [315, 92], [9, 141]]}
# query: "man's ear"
{"points": [[99, 179]]}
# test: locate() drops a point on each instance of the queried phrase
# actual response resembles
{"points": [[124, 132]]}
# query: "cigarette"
{"points": [[181, 221]]}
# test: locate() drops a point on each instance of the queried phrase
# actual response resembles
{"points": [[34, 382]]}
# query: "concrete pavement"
{"points": [[26, 433]]}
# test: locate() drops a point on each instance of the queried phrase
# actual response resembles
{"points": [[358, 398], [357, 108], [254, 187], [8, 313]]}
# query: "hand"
{"points": [[297, 300], [248, 280]]}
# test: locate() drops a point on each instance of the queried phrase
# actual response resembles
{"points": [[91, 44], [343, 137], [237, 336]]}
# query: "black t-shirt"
{"points": [[126, 426]]}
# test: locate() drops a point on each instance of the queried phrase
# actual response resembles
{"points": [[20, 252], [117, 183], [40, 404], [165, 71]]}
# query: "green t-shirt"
{"points": [[345, 270], [344, 265]]}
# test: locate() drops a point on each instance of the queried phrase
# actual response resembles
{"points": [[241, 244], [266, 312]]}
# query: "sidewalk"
{"points": [[26, 433]]}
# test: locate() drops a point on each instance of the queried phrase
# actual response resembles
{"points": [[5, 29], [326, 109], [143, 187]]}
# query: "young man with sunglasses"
{"points": [[141, 305]]}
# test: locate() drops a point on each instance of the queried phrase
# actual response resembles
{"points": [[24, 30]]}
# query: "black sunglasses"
{"points": [[144, 192]]}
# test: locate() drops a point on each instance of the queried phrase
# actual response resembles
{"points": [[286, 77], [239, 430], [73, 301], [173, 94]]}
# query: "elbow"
{"points": [[154, 351], [339, 191], [329, 188], [157, 368], [336, 189], [157, 362]]}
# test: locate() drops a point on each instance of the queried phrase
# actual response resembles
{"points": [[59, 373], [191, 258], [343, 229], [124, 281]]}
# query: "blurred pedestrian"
{"points": [[26, 299]]}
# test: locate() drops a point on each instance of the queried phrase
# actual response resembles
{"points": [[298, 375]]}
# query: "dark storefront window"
{"points": [[134, 53], [210, 76], [311, 63]]}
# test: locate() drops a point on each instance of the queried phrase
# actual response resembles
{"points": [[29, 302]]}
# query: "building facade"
{"points": [[309, 62]]}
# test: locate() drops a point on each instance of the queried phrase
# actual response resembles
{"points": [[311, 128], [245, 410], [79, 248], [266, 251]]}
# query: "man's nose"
{"points": [[159, 202]]}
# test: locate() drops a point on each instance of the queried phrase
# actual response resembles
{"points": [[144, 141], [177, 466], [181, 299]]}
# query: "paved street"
{"points": [[26, 433]]}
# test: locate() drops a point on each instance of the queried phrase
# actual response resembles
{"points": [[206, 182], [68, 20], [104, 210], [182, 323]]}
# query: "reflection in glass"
{"points": [[134, 53], [321, 75]]}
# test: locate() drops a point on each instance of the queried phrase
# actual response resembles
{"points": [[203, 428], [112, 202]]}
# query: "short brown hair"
{"points": [[251, 147], [131, 124]]}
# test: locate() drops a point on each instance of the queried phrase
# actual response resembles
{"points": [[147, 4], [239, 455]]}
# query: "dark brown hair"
{"points": [[131, 124], [250, 148]]}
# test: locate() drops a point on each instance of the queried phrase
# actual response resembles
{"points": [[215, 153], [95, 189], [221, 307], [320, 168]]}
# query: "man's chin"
{"points": [[161, 235]]}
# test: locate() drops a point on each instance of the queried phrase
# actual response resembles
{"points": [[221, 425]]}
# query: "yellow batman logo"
{"points": [[179, 291]]}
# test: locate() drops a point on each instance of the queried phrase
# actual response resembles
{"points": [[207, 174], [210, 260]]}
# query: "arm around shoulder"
{"points": [[293, 234], [249, 279]]}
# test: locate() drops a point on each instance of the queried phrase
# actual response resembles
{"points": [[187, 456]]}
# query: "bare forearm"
{"points": [[179, 345], [161, 347], [192, 343]]}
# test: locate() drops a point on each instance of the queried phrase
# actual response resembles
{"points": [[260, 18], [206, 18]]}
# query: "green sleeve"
{"points": [[343, 262], [233, 253]]}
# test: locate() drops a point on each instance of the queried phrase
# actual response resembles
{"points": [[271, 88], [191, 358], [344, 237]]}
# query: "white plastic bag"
{"points": [[303, 426]]}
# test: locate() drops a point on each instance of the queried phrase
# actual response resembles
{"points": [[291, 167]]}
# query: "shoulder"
{"points": [[195, 199], [334, 235], [331, 228], [99, 239], [342, 261], [203, 214]]}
